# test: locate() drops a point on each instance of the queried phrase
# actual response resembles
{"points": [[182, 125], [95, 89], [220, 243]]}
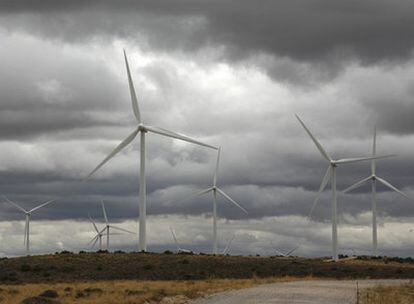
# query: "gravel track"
{"points": [[303, 292]]}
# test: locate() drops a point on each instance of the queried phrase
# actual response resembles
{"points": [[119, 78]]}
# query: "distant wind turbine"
{"points": [[143, 129], [330, 174], [286, 254], [214, 189], [179, 249], [98, 236], [226, 249], [109, 226], [373, 178], [28, 214]]}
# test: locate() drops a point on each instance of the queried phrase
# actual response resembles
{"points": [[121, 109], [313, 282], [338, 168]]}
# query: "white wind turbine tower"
{"points": [[373, 178], [109, 226], [179, 249], [331, 175], [214, 189], [28, 214], [142, 129]]}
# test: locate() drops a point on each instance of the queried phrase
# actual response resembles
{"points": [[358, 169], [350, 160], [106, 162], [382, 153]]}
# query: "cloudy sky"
{"points": [[230, 73]]}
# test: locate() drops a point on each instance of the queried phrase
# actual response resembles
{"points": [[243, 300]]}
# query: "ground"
{"points": [[145, 277]]}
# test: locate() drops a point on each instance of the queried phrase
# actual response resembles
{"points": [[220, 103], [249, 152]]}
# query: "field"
{"points": [[126, 291], [169, 278], [403, 294]]}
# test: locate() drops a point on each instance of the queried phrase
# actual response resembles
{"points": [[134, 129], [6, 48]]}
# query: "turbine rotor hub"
{"points": [[142, 128]]}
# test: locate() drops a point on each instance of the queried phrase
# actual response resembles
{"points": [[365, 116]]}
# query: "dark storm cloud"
{"points": [[313, 31]]}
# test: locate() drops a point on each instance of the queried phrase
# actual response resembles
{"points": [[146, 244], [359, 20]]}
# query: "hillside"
{"points": [[68, 267]]}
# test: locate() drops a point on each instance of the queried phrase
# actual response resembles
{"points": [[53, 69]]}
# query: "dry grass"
{"points": [[130, 291], [401, 294]]}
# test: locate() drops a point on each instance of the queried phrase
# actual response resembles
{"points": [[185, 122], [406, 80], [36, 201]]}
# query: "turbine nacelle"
{"points": [[141, 128]]}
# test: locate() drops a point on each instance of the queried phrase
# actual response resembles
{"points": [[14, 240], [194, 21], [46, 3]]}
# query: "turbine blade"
{"points": [[104, 212], [358, 159], [231, 200], [122, 145], [227, 249], [200, 193], [176, 135], [196, 194], [94, 240], [175, 239], [121, 229], [217, 166], [385, 183], [280, 253], [324, 182], [103, 229], [94, 225], [315, 141], [134, 99], [91, 241], [357, 184], [42, 205], [291, 251], [14, 204]]}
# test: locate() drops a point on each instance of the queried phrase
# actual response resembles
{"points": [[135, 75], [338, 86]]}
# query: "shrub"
{"points": [[25, 268], [134, 292], [67, 269], [49, 294], [91, 290]]}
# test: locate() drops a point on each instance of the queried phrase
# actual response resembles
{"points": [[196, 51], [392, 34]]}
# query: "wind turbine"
{"points": [[108, 226], [373, 178], [179, 249], [28, 214], [330, 174], [142, 129], [226, 249], [286, 254], [98, 236], [214, 189]]}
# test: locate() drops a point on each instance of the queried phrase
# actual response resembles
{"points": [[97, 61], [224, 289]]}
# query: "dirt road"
{"points": [[309, 292]]}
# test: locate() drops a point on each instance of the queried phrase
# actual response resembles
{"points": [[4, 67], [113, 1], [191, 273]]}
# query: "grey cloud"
{"points": [[329, 33], [42, 94]]}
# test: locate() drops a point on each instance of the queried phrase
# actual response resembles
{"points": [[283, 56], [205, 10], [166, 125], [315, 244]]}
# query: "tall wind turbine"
{"points": [[109, 226], [142, 129], [28, 214], [330, 174], [373, 178], [214, 189]]}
